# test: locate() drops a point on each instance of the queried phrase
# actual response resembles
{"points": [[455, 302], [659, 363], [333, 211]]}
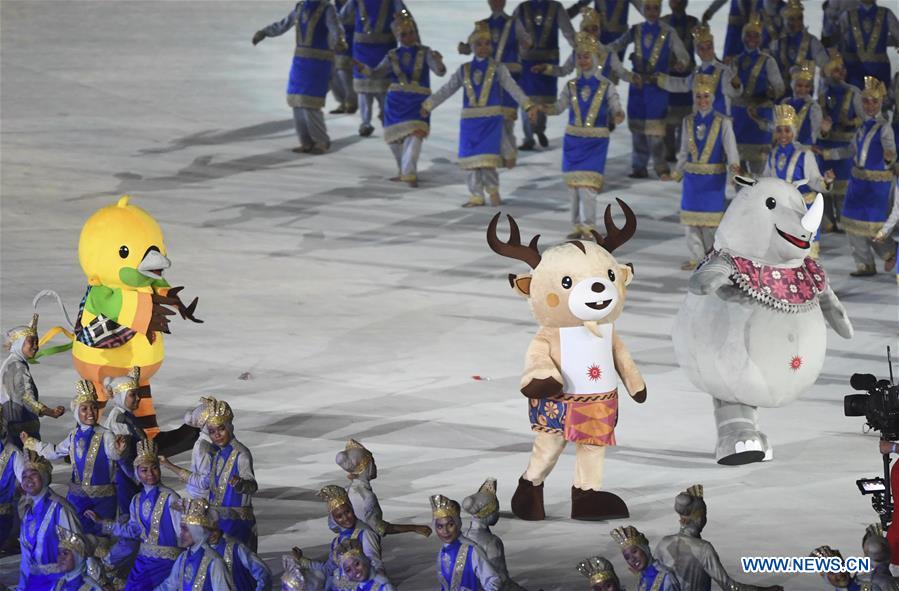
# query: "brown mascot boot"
{"points": [[527, 502], [593, 505]]}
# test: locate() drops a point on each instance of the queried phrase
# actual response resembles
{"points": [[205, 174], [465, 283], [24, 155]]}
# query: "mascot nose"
{"points": [[598, 287], [812, 218]]}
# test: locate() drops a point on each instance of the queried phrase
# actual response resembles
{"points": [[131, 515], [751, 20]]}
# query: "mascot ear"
{"points": [[800, 182], [521, 284], [744, 181], [627, 271]]}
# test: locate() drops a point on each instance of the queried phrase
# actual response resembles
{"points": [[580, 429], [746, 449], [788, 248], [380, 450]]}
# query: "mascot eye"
{"points": [[123, 252], [566, 282], [770, 203], [612, 276]]}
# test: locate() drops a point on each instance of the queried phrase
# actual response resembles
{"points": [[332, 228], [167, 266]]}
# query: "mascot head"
{"points": [[574, 283], [769, 222], [121, 245]]}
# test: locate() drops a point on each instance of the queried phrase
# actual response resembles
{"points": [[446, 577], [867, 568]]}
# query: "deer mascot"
{"points": [[576, 291]]}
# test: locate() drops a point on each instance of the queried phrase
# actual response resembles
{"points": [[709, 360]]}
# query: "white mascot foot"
{"points": [[739, 440]]}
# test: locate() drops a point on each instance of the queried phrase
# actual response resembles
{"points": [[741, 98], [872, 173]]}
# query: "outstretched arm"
{"points": [[277, 28], [835, 313], [446, 91]]}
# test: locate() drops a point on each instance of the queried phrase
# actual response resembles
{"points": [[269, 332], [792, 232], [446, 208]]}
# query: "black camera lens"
{"points": [[854, 405]]}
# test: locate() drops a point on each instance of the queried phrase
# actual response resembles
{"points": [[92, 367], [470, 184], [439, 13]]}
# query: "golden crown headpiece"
{"points": [[72, 541], [442, 506], [481, 31], [147, 453], [597, 569], [366, 459], [703, 83], [219, 413], [835, 61], [825, 552], [84, 392], [22, 332], [35, 461], [874, 88], [804, 70], [334, 495], [586, 43], [695, 491], [785, 115], [753, 24], [628, 536], [133, 382], [703, 34], [590, 16], [792, 8], [403, 21], [197, 513], [349, 549], [875, 529], [488, 488]]}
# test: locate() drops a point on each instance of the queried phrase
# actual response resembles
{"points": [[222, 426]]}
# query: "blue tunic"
{"points": [[481, 125], [867, 201], [586, 141], [540, 19], [372, 39], [614, 15], [837, 103], [647, 107], [246, 577], [235, 519], [655, 579], [9, 455], [455, 569], [40, 544], [739, 14], [752, 72], [410, 86], [865, 46], [151, 521], [310, 72], [505, 51], [705, 172], [93, 478], [681, 103], [194, 568]]}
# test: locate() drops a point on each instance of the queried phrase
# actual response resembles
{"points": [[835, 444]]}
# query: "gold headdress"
{"points": [[804, 70], [334, 495], [597, 569], [703, 34], [785, 115], [875, 529], [197, 513], [628, 536], [21, 332], [488, 489], [71, 541], [586, 43], [874, 88], [753, 24], [695, 491], [349, 549], [835, 61], [147, 455], [703, 83], [792, 8], [219, 413], [35, 461], [133, 382], [442, 506], [364, 461], [590, 16], [403, 21], [481, 31], [825, 552], [84, 392]]}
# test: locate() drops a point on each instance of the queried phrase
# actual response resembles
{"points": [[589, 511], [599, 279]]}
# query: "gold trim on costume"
{"points": [[316, 54], [867, 52], [862, 157], [860, 228], [91, 490], [304, 101], [583, 178], [704, 219], [411, 88], [154, 551], [704, 168], [872, 175], [398, 131], [475, 112], [754, 74], [653, 127], [481, 161], [306, 39], [221, 479], [586, 131]]}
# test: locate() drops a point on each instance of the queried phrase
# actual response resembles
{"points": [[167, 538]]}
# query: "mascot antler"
{"points": [[616, 236], [514, 249]]}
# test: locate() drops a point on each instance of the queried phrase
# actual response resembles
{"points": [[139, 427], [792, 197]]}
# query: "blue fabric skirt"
{"points": [[41, 582], [148, 572], [746, 130], [242, 530], [649, 103], [584, 154], [538, 86], [309, 77], [402, 114], [479, 140], [703, 193], [867, 201]]}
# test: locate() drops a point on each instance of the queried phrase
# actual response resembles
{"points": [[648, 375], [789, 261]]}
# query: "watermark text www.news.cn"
{"points": [[805, 564]]}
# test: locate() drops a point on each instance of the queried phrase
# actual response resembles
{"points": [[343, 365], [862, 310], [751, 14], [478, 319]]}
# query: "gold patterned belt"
{"points": [[316, 54], [863, 174], [701, 168], [412, 88], [378, 38], [90, 490], [241, 513], [155, 551], [475, 112], [578, 131]]}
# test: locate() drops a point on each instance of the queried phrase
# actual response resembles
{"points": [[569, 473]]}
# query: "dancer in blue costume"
{"points": [[680, 104], [155, 520], [543, 20], [647, 104], [654, 576], [120, 420], [740, 11], [11, 465], [18, 394], [709, 65], [614, 15], [870, 187], [865, 33], [481, 126], [318, 36], [808, 111], [837, 580], [600, 573], [758, 79], [796, 45], [408, 68], [461, 564], [93, 451], [199, 567], [592, 104], [372, 39], [342, 76], [356, 568], [196, 479], [246, 569], [841, 107], [73, 565], [790, 161], [508, 35], [708, 152], [38, 537]]}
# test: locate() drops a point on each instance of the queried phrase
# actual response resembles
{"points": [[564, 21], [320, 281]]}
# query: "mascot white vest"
{"points": [[752, 329]]}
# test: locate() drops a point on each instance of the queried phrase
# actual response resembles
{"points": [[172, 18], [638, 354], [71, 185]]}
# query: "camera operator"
{"points": [[887, 448]]}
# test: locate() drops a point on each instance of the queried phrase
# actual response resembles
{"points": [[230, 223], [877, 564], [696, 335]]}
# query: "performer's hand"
{"points": [[879, 238], [23, 436], [532, 113], [654, 78], [680, 68], [121, 443], [235, 481], [829, 176], [542, 388], [889, 156], [423, 530], [526, 44], [55, 412], [886, 447], [437, 55], [735, 169], [257, 37], [90, 514], [817, 150], [360, 67], [297, 553], [424, 112], [464, 48], [619, 118], [826, 124], [539, 68], [735, 82], [637, 80]]}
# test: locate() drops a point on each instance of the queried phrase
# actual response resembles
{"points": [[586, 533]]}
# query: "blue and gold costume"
{"points": [[841, 103], [738, 16], [796, 46], [11, 464], [866, 32], [234, 505], [342, 76], [654, 576], [461, 564], [247, 570], [680, 104], [199, 567]]}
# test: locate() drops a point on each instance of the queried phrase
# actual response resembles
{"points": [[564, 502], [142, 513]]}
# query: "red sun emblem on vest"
{"points": [[594, 372], [795, 362]]}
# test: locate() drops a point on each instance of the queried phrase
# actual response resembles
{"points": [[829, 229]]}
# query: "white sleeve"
{"points": [[371, 547], [282, 26], [448, 89], [484, 571], [682, 152], [438, 68], [509, 85], [248, 485], [561, 104], [888, 140], [335, 29], [729, 142], [774, 78], [812, 173], [55, 452], [677, 46], [614, 101], [109, 445], [815, 117]]}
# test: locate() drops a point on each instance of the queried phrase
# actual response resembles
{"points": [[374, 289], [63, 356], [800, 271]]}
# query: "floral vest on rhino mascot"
{"points": [[752, 329]]}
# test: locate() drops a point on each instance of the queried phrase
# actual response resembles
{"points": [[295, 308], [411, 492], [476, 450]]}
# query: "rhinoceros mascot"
{"points": [[752, 330]]}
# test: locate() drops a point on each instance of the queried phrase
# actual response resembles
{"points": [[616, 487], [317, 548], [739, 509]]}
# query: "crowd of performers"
{"points": [[698, 119]]}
